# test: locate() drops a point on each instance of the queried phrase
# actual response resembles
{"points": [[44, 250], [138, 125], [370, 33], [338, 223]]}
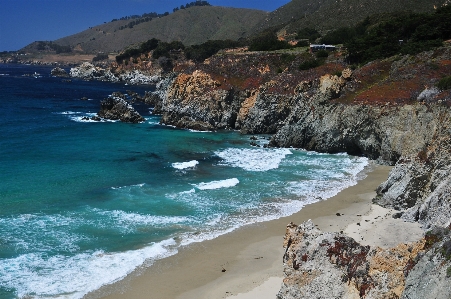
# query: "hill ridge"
{"points": [[194, 25]]}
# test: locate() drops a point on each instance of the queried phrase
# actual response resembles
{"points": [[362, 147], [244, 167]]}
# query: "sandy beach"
{"points": [[247, 263]]}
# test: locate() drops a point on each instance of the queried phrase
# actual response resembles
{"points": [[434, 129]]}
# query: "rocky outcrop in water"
{"points": [[59, 72], [332, 265], [88, 71], [117, 108]]}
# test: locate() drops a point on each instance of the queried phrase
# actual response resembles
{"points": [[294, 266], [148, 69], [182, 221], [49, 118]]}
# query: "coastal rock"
{"points": [[59, 72], [194, 101], [332, 265], [116, 108], [331, 85], [137, 77], [88, 71], [263, 113], [419, 185], [158, 97], [431, 276]]}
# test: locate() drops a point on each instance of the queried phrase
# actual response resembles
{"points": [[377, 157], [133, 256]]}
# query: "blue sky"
{"points": [[25, 21]]}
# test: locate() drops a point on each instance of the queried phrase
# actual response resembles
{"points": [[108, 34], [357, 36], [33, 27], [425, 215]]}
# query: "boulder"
{"points": [[116, 108], [59, 72]]}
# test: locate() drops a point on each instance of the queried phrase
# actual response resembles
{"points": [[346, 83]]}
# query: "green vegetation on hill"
{"points": [[203, 51], [147, 17], [409, 34], [330, 14], [164, 49], [267, 41], [46, 46]]}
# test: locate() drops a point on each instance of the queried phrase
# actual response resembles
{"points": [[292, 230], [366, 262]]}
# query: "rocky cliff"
{"points": [[332, 265], [387, 110]]}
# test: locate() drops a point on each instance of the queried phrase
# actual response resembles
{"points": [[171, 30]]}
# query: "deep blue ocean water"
{"points": [[82, 204]]}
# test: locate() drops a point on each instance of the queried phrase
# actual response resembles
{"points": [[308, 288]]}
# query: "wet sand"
{"points": [[248, 261]]}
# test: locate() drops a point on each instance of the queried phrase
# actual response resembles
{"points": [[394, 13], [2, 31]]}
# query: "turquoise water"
{"points": [[80, 199]]}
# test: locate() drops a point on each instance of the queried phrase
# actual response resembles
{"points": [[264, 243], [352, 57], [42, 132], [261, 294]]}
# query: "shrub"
{"points": [[310, 64], [203, 51], [322, 54], [268, 41], [444, 83], [308, 33]]}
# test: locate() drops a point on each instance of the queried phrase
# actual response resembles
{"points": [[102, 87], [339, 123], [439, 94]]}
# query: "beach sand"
{"points": [[247, 263]]}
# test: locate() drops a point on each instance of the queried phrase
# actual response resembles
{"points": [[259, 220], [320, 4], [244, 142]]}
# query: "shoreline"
{"points": [[251, 255]]}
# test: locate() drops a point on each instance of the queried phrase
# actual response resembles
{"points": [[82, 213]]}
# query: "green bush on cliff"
{"points": [[164, 49], [268, 41], [203, 51], [406, 34], [444, 83], [310, 64], [308, 33]]}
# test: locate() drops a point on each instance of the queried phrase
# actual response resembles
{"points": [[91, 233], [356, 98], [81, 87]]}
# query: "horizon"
{"points": [[25, 21]]}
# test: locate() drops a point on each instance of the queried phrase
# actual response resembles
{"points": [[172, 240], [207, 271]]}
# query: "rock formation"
{"points": [[387, 111], [59, 72], [88, 71], [332, 265], [117, 108]]}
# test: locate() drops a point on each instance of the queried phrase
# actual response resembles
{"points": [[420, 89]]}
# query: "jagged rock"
{"points": [[265, 113], [332, 265], [419, 185], [428, 94], [116, 108], [138, 77], [431, 275], [59, 72], [194, 101], [303, 86], [331, 85], [157, 97], [346, 74], [88, 71]]}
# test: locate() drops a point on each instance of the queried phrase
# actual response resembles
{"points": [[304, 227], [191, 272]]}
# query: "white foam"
{"points": [[68, 112], [124, 187], [34, 275], [188, 192], [197, 131], [217, 184], [185, 165], [255, 159], [126, 220]]}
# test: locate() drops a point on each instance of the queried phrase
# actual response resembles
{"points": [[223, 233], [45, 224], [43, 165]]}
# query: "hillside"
{"points": [[191, 26], [329, 14]]}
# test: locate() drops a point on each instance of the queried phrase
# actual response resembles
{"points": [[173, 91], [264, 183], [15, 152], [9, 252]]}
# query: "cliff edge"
{"points": [[388, 110]]}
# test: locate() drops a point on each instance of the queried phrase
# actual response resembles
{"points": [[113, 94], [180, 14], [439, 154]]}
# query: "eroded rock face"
{"points": [[194, 101], [431, 276], [116, 108], [332, 265], [419, 185]]}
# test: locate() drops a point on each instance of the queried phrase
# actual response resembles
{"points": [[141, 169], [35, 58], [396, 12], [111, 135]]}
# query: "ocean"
{"points": [[84, 203]]}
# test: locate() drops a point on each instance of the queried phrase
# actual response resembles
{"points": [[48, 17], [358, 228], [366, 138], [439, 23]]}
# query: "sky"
{"points": [[25, 21]]}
